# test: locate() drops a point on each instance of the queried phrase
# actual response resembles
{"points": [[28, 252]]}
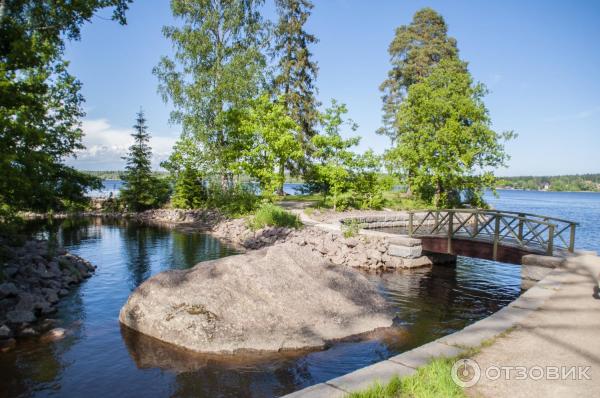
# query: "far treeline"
{"points": [[573, 183], [244, 93]]}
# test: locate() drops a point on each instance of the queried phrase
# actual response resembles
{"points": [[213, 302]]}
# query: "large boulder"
{"points": [[277, 298]]}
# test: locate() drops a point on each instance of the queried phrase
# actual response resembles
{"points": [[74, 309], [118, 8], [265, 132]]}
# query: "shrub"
{"points": [[270, 215], [235, 201], [351, 228]]}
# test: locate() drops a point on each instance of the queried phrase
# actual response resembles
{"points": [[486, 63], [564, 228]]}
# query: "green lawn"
{"points": [[431, 381]]}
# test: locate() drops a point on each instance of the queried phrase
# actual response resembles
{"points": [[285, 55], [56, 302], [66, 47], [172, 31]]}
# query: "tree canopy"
{"points": [[446, 145], [41, 104], [415, 50], [218, 65]]}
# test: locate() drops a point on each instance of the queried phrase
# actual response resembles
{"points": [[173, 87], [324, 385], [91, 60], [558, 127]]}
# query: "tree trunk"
{"points": [[439, 190], [280, 191]]}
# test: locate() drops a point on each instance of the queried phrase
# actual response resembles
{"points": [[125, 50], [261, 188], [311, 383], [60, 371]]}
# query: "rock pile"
{"points": [[178, 216], [368, 252], [33, 278]]}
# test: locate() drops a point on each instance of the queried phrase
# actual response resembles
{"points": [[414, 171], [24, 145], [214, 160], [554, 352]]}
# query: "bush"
{"points": [[350, 229], [235, 201], [274, 216]]}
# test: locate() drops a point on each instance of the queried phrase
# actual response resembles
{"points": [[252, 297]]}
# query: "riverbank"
{"points": [[552, 326], [33, 277]]}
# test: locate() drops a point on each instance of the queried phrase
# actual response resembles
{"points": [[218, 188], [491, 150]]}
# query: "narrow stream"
{"points": [[100, 359]]}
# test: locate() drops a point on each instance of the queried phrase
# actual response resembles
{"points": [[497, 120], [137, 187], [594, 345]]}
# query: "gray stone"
{"points": [[422, 261], [401, 240], [320, 390], [374, 254], [277, 298], [18, 317], [54, 334], [380, 372], [28, 332], [405, 251], [8, 289], [533, 298], [424, 354], [534, 272], [542, 261], [5, 332], [474, 335]]}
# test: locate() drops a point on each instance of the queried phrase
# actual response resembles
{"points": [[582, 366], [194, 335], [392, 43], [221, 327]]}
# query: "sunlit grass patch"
{"points": [[273, 216]]}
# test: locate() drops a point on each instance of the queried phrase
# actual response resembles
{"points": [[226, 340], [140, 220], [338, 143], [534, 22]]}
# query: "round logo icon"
{"points": [[466, 372]]}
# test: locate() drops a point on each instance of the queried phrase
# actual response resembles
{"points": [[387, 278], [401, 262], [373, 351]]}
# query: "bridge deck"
{"points": [[504, 232]]}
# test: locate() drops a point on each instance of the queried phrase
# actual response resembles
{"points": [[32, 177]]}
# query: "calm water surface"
{"points": [[99, 359]]}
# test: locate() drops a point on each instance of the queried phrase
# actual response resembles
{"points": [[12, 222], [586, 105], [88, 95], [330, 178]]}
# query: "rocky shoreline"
{"points": [[33, 278]]}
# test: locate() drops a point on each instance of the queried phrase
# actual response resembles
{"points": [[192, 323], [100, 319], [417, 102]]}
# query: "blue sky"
{"points": [[540, 60]]}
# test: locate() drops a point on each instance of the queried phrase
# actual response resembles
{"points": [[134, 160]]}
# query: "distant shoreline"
{"points": [[539, 190]]}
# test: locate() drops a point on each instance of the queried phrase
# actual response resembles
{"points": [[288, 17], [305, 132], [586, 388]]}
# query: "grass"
{"points": [[432, 380], [274, 216]]}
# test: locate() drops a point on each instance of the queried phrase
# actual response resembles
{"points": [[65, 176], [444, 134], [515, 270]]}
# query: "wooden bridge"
{"points": [[495, 235]]}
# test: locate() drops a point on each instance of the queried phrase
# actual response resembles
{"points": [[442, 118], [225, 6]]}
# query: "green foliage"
{"points": [[40, 102], [446, 145], [431, 381], [415, 50], [273, 216], [142, 190], [296, 71], [113, 205], [350, 228], [345, 178], [270, 143], [189, 192], [217, 65], [233, 201]]}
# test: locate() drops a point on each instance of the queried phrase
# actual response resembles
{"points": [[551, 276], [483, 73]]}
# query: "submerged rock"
{"points": [[282, 297]]}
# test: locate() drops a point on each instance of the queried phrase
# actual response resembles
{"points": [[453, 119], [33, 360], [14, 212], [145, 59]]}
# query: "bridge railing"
{"points": [[531, 231]]}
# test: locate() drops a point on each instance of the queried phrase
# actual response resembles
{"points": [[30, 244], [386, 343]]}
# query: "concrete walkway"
{"points": [[564, 332], [554, 324]]}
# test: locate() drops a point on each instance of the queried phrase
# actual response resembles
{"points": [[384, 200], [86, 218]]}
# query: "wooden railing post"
{"points": [[450, 231], [496, 235], [572, 238], [410, 223], [550, 247], [475, 224], [520, 233]]}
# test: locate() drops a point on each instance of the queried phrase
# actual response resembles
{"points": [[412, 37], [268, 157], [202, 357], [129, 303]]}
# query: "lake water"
{"points": [[100, 359]]}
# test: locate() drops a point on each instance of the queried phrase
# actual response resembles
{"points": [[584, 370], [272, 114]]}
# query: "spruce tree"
{"points": [[142, 190], [297, 73], [415, 50]]}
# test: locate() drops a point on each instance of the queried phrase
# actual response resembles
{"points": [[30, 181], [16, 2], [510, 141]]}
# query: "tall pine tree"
{"points": [[142, 190], [297, 73], [415, 50]]}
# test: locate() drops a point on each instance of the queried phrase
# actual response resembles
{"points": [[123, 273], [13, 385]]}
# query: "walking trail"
{"points": [[564, 332]]}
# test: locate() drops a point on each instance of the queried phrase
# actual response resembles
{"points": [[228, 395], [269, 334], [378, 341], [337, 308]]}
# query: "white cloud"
{"points": [[105, 146]]}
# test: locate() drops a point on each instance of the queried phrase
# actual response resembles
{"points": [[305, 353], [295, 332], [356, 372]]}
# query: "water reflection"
{"points": [[99, 358]]}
